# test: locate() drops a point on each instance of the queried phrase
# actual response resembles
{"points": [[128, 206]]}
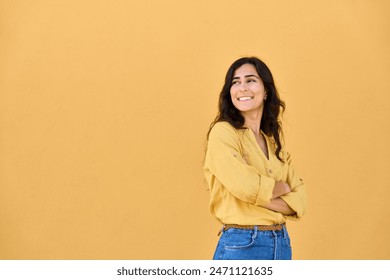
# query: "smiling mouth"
{"points": [[245, 98]]}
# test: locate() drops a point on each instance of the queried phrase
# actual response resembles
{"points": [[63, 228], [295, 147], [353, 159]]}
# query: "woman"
{"points": [[254, 188]]}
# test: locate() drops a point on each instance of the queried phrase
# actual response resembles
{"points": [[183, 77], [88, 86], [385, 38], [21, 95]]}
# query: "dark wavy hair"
{"points": [[273, 106]]}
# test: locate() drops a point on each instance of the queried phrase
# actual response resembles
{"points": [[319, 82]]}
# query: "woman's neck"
{"points": [[253, 121]]}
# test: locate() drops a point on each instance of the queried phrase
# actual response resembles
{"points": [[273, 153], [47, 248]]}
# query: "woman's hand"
{"points": [[278, 205], [281, 188]]}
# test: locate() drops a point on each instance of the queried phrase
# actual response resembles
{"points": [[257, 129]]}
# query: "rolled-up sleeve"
{"points": [[225, 161], [297, 198]]}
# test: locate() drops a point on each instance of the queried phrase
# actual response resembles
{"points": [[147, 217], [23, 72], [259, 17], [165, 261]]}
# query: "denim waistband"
{"points": [[256, 228]]}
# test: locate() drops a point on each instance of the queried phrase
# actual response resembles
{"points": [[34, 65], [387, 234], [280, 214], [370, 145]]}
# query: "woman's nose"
{"points": [[243, 87]]}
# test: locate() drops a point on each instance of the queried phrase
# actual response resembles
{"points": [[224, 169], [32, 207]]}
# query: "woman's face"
{"points": [[247, 90]]}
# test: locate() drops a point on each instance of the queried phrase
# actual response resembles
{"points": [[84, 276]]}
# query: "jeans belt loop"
{"points": [[255, 232]]}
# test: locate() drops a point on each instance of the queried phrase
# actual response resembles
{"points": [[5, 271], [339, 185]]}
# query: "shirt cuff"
{"points": [[265, 190], [294, 204]]}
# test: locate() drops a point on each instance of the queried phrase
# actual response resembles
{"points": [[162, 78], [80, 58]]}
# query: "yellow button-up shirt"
{"points": [[241, 178]]}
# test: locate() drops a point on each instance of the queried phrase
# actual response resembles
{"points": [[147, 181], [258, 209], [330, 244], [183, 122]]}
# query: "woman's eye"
{"points": [[251, 81], [234, 82]]}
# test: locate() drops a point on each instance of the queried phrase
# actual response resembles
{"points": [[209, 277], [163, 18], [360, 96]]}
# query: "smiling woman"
{"points": [[254, 188]]}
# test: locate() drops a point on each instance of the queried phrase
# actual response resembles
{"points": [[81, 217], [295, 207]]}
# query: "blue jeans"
{"points": [[248, 244]]}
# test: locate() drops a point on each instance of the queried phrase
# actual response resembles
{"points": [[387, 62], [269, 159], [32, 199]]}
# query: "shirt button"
{"points": [[270, 171]]}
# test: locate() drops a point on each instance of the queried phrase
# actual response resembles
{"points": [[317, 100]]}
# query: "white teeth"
{"points": [[244, 98]]}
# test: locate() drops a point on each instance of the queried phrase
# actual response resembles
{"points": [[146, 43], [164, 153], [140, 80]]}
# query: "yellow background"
{"points": [[105, 105]]}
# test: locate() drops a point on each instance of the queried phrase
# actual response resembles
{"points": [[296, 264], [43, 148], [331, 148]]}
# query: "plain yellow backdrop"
{"points": [[105, 105]]}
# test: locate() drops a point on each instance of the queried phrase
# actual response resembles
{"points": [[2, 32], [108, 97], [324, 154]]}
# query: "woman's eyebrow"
{"points": [[251, 75], [246, 76]]}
